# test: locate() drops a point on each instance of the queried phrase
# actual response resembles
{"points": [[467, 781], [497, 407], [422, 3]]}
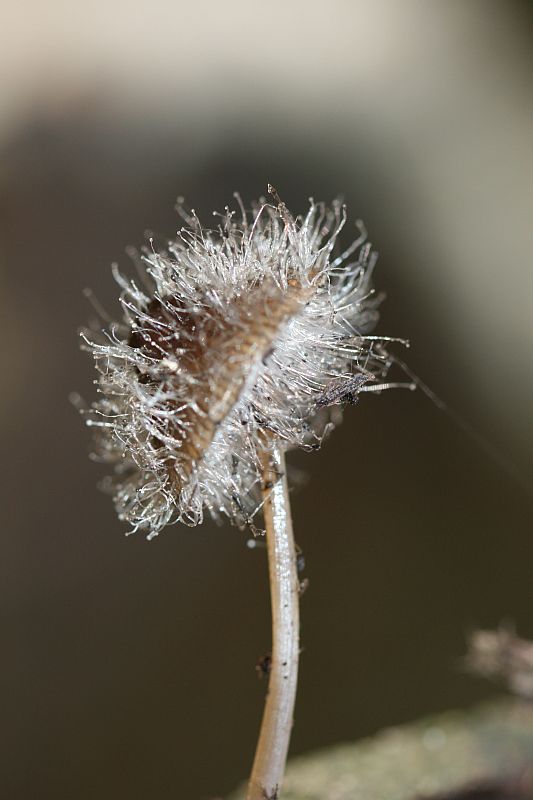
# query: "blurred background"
{"points": [[127, 667]]}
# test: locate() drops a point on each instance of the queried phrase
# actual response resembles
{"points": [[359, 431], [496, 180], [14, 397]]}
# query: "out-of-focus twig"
{"points": [[485, 749], [502, 655]]}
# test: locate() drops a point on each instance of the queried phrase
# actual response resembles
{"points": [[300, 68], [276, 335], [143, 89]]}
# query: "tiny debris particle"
{"points": [[342, 390], [271, 795], [264, 665]]}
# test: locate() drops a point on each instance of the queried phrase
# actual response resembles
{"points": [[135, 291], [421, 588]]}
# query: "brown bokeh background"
{"points": [[127, 667]]}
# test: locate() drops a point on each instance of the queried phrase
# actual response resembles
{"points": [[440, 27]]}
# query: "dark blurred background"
{"points": [[127, 667]]}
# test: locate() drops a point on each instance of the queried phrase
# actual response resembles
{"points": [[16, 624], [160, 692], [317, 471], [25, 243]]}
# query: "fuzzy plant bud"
{"points": [[242, 337]]}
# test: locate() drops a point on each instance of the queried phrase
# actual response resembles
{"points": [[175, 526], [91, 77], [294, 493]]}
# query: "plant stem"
{"points": [[273, 744]]}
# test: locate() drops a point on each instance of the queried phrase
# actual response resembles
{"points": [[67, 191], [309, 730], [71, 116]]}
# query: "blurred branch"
{"points": [[485, 752], [502, 656]]}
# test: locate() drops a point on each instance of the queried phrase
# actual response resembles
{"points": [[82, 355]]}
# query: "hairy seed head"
{"points": [[242, 336]]}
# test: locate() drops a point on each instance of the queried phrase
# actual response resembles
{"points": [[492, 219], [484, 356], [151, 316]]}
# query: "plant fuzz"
{"points": [[239, 337]]}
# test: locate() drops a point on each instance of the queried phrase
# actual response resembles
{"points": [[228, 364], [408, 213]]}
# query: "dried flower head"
{"points": [[245, 335]]}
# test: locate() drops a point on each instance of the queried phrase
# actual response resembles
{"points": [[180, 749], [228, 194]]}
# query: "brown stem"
{"points": [[273, 744]]}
